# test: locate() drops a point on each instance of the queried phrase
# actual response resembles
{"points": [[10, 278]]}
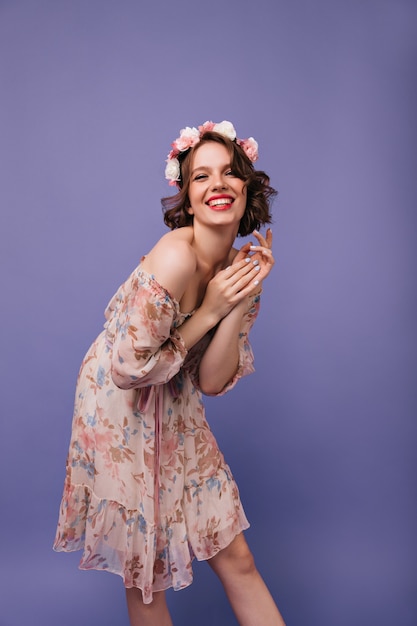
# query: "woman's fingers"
{"points": [[269, 238], [248, 248], [230, 285], [265, 242], [267, 252], [263, 251], [250, 266], [241, 273], [242, 253]]}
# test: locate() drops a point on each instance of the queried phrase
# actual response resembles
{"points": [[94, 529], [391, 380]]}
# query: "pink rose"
{"points": [[174, 152], [188, 138], [250, 148], [206, 127]]}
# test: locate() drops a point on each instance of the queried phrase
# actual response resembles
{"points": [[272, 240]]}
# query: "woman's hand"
{"points": [[262, 253], [231, 285]]}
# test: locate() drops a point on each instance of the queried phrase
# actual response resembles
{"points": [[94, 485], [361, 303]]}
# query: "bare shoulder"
{"points": [[172, 261]]}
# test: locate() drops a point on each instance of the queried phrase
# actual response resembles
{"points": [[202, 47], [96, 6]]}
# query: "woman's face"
{"points": [[216, 195]]}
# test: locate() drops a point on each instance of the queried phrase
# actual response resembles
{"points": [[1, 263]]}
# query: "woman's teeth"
{"points": [[220, 202]]}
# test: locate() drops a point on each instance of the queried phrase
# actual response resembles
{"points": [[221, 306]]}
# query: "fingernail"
{"points": [[256, 262], [253, 247], [257, 268], [256, 282], [247, 259]]}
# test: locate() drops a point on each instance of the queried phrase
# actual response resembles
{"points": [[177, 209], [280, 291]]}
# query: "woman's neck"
{"points": [[213, 247]]}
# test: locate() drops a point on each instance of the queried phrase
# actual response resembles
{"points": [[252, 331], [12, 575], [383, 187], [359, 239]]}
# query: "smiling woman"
{"points": [[214, 185], [242, 154], [147, 489]]}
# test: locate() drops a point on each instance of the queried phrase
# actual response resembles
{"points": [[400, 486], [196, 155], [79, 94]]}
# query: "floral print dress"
{"points": [[147, 488]]}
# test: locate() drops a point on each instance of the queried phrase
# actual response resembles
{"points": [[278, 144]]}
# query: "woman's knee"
{"points": [[135, 601], [236, 557]]}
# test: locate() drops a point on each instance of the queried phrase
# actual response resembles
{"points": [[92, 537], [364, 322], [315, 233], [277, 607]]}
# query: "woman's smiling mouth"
{"points": [[219, 203]]}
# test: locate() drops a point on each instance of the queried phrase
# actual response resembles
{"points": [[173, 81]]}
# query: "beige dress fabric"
{"points": [[147, 488]]}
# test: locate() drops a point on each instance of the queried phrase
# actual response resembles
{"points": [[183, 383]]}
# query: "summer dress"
{"points": [[139, 429]]}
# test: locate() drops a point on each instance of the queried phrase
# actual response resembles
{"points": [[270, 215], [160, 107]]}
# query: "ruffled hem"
{"points": [[122, 542]]}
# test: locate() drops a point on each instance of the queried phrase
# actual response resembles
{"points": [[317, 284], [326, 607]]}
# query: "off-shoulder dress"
{"points": [[147, 488]]}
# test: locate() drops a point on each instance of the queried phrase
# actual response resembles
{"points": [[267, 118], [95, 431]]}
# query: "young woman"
{"points": [[147, 488]]}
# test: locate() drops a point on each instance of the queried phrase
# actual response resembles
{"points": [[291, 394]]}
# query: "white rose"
{"points": [[226, 129], [172, 170]]}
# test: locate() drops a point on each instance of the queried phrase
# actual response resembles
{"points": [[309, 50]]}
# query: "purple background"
{"points": [[322, 437]]}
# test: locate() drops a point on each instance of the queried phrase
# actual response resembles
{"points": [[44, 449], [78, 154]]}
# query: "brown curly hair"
{"points": [[259, 192]]}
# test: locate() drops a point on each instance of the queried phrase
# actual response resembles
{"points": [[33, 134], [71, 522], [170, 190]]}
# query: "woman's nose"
{"points": [[219, 182]]}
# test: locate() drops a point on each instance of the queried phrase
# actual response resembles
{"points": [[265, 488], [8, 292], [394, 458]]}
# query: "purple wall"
{"points": [[322, 437]]}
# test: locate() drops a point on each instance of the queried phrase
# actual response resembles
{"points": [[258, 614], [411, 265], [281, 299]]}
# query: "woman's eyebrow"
{"points": [[200, 167], [207, 167]]}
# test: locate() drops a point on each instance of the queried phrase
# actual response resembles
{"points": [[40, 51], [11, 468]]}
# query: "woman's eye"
{"points": [[200, 176], [230, 173]]}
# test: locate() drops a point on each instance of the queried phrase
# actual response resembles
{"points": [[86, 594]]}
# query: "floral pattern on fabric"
{"points": [[147, 488]]}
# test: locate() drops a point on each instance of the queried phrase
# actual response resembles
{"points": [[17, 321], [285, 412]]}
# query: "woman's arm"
{"points": [[147, 352], [220, 361], [225, 301], [146, 348], [221, 358], [173, 266]]}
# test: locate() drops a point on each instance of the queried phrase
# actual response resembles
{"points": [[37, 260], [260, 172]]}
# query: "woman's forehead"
{"points": [[209, 154]]}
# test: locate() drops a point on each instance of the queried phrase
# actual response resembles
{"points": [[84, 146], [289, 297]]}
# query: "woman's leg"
{"points": [[248, 595], [154, 614]]}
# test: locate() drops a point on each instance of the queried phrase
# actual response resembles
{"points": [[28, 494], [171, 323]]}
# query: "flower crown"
{"points": [[189, 137]]}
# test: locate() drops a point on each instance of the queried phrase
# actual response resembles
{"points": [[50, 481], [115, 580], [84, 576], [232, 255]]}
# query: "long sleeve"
{"points": [[146, 348]]}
